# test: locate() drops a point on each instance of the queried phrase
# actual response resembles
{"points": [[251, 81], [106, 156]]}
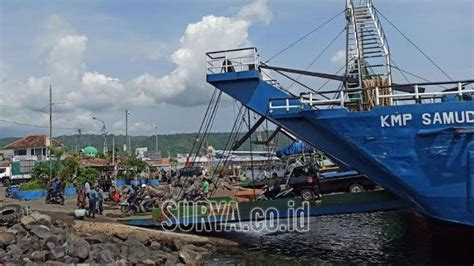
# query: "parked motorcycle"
{"points": [[55, 197], [285, 193], [130, 204]]}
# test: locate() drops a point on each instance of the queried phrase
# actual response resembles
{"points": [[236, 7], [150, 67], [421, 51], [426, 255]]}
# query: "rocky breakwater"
{"points": [[38, 239]]}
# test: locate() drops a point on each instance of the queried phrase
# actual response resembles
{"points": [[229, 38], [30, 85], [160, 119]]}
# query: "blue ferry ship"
{"points": [[414, 140]]}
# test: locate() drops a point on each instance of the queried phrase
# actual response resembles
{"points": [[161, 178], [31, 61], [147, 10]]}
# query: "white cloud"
{"points": [[65, 63], [256, 12], [339, 58], [86, 91], [186, 82], [54, 28]]}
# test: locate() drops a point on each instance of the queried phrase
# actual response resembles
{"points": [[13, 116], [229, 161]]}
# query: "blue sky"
{"points": [[147, 56]]}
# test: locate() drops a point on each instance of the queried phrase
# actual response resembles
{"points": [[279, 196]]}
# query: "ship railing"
{"points": [[234, 60], [418, 96], [342, 98]]}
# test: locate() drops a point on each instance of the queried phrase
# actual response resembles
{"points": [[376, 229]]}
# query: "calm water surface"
{"points": [[389, 237]]}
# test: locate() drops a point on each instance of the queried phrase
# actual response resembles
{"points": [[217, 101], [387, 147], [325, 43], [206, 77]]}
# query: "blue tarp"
{"points": [[294, 148]]}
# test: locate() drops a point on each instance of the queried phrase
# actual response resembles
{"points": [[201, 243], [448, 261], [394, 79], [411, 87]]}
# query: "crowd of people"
{"points": [[91, 196], [96, 195]]}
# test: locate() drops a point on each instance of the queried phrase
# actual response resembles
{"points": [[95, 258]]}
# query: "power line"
{"points": [[32, 125], [409, 73], [414, 45], [319, 55], [304, 36]]}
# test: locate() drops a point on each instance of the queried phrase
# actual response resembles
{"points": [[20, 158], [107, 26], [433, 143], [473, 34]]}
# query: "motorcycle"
{"points": [[55, 197], [285, 193], [130, 204]]}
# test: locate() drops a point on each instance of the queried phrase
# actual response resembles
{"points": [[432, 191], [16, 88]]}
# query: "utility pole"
{"points": [[79, 131], [156, 138], [50, 128], [128, 147], [113, 151]]}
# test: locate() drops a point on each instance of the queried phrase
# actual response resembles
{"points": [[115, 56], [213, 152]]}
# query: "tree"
{"points": [[70, 168], [138, 165], [86, 174], [40, 170], [57, 152]]}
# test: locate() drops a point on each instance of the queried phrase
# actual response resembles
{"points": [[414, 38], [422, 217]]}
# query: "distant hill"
{"points": [[170, 143]]}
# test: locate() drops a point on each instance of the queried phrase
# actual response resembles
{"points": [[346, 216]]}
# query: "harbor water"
{"points": [[381, 237]]}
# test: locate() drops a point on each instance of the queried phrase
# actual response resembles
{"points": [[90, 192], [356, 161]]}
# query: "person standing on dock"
{"points": [[87, 187], [100, 200], [205, 187], [275, 185], [92, 195]]}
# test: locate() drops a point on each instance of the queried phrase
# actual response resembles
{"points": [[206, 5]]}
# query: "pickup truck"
{"points": [[349, 181], [308, 183]]}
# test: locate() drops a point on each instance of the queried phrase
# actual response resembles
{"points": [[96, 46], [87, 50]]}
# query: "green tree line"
{"points": [[167, 144]]}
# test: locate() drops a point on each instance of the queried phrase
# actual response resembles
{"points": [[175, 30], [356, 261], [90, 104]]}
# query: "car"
{"points": [[308, 183], [191, 171]]}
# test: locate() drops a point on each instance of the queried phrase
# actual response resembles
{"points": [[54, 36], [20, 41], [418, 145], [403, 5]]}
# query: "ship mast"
{"points": [[367, 53]]}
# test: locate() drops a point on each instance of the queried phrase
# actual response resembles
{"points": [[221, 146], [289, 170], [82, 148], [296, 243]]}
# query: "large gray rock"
{"points": [[155, 245], [41, 231], [141, 237], [17, 229], [6, 239], [105, 256], [57, 252], [70, 260], [170, 258], [78, 248], [35, 218], [190, 257], [39, 255], [124, 251], [41, 218], [137, 251], [3, 255], [123, 262], [56, 239], [14, 252], [113, 248], [54, 263], [149, 262], [50, 245]]}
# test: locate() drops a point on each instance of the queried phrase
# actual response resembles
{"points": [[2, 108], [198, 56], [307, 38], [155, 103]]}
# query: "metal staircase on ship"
{"points": [[367, 53]]}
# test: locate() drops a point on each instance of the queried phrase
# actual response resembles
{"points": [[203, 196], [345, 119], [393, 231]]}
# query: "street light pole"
{"points": [[127, 139], [104, 133]]}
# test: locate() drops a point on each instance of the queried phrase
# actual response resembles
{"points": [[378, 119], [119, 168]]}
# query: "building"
{"points": [[101, 165], [238, 162], [158, 164], [145, 153], [32, 146]]}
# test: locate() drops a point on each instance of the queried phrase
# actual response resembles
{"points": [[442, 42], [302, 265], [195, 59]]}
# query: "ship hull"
{"points": [[423, 153], [429, 163]]}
